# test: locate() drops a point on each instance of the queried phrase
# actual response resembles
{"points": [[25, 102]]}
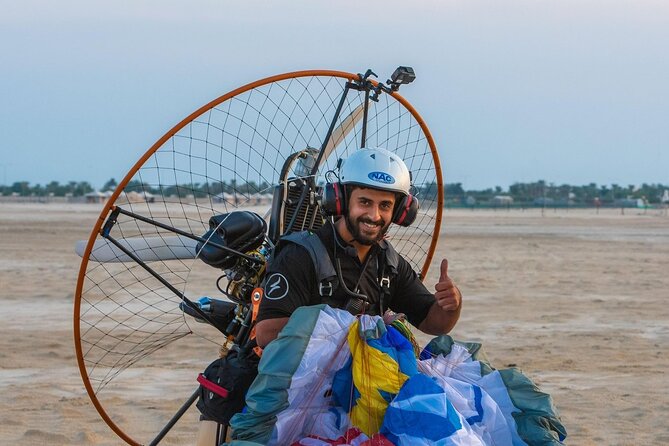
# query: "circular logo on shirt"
{"points": [[276, 287]]}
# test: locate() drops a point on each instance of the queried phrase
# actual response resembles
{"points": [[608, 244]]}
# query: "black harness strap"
{"points": [[328, 280], [325, 271], [388, 264]]}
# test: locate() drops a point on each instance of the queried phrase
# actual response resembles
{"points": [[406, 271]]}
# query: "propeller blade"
{"points": [[147, 249], [346, 126]]}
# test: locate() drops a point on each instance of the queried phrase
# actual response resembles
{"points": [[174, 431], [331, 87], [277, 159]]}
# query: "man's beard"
{"points": [[354, 227]]}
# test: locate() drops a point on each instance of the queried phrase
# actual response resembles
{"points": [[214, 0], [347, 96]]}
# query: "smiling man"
{"points": [[348, 263]]}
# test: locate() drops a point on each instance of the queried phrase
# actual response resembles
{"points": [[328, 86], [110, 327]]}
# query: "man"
{"points": [[373, 191]]}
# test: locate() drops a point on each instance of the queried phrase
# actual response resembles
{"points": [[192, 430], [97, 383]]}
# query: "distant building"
{"points": [[225, 197], [501, 200], [134, 197], [95, 197]]}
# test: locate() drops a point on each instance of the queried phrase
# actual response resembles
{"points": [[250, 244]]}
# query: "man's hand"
{"points": [[448, 295], [445, 311]]}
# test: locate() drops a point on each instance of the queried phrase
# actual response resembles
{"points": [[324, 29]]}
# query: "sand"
{"points": [[577, 300]]}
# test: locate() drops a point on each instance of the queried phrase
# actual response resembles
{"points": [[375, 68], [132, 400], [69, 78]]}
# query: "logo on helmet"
{"points": [[381, 177]]}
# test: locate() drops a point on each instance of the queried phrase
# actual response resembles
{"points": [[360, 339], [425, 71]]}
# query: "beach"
{"points": [[577, 299]]}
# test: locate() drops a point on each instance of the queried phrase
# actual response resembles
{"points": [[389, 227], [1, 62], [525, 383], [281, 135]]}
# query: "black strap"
{"points": [[325, 271], [384, 281], [328, 282]]}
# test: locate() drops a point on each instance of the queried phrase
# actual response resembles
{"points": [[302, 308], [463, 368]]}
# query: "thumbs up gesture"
{"points": [[448, 296]]}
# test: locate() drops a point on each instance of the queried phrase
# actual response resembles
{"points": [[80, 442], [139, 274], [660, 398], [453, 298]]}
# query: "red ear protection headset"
{"points": [[334, 203]]}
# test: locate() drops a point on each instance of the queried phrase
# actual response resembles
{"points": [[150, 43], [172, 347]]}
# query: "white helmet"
{"points": [[376, 168]]}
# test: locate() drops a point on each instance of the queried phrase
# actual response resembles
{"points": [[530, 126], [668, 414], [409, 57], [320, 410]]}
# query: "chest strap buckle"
{"points": [[325, 289], [384, 282]]}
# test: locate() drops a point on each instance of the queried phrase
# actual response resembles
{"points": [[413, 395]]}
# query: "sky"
{"points": [[568, 91]]}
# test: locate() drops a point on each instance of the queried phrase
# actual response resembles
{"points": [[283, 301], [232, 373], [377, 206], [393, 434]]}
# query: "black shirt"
{"points": [[291, 280]]}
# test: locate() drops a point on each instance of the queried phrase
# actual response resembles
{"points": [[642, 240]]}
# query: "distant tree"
{"points": [[587, 194], [38, 190], [617, 192], [21, 187], [482, 196], [55, 188], [522, 193], [138, 186], [428, 190], [82, 188], [454, 190], [111, 184], [527, 192]]}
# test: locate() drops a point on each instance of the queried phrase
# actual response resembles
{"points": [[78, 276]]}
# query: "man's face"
{"points": [[370, 212]]}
